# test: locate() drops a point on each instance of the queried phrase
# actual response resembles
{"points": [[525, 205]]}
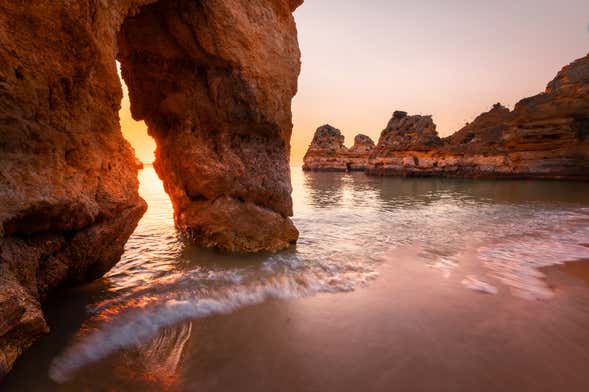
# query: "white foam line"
{"points": [[138, 328]]}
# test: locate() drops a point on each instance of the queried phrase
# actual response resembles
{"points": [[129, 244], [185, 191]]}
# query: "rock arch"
{"points": [[213, 80]]}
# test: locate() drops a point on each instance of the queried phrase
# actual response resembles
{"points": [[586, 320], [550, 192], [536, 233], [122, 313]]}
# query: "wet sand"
{"points": [[578, 269], [407, 331]]}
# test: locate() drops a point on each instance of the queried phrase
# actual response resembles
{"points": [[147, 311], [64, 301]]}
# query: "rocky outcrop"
{"points": [[212, 79], [328, 152], [484, 134], [405, 133], [545, 136], [359, 153]]}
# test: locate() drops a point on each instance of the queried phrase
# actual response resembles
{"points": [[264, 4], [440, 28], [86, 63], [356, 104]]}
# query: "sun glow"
{"points": [[135, 131]]}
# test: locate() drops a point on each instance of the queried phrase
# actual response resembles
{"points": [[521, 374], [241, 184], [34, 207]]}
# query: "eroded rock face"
{"points": [[328, 152], [545, 136], [213, 80], [405, 133], [68, 182], [362, 143], [484, 133], [359, 153]]}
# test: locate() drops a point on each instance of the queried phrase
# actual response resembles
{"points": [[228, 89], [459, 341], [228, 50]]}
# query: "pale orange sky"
{"points": [[452, 59]]}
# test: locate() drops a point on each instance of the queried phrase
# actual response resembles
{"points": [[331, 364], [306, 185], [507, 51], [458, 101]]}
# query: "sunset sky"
{"points": [[453, 59]]}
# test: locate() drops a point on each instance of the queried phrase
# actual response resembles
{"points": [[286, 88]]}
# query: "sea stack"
{"points": [[407, 144], [328, 152], [214, 83], [546, 137]]}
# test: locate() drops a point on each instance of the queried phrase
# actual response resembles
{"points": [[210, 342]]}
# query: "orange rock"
{"points": [[327, 151], [213, 81], [214, 84], [545, 136]]}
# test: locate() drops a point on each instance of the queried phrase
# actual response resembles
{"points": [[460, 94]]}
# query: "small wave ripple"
{"points": [[349, 226]]}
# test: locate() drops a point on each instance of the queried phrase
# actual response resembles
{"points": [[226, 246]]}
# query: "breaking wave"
{"points": [[138, 316]]}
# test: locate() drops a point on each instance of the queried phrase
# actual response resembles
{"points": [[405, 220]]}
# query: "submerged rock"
{"points": [[328, 152], [213, 80]]}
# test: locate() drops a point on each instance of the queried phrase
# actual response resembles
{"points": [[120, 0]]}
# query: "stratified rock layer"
{"points": [[328, 152], [213, 80], [545, 136]]}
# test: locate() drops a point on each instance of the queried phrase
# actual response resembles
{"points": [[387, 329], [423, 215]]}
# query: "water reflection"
{"points": [[325, 189], [161, 356], [513, 228]]}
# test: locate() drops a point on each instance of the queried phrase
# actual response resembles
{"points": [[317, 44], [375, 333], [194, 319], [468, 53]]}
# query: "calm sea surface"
{"points": [[395, 284]]}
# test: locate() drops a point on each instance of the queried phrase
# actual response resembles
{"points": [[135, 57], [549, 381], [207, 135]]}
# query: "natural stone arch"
{"points": [[213, 79]]}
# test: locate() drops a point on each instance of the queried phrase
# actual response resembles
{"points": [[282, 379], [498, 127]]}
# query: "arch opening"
{"points": [[217, 104], [135, 132]]}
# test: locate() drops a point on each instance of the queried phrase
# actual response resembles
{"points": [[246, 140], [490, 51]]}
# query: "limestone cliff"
{"points": [[328, 152], [213, 79], [545, 136]]}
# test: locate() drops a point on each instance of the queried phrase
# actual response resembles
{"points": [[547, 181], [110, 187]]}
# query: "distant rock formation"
{"points": [[327, 151], [359, 153], [213, 81], [545, 136], [484, 133], [405, 133]]}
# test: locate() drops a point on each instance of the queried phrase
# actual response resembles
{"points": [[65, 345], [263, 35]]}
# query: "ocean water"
{"points": [[418, 284]]}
